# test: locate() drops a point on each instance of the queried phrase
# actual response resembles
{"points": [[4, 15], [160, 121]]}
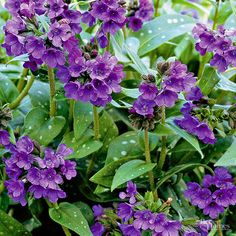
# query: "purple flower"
{"points": [[129, 230], [213, 210], [13, 6], [14, 45], [97, 229], [87, 18], [171, 228], [131, 192], [37, 191], [69, 169], [50, 179], [98, 211], [34, 175], [166, 98], [55, 8], [144, 107], [35, 47], [54, 194], [192, 190], [202, 198], [219, 62], [204, 133], [59, 33], [125, 211], [195, 94], [157, 222], [223, 178], [142, 219], [148, 90], [221, 197], [16, 190], [53, 58], [4, 138], [135, 23]]}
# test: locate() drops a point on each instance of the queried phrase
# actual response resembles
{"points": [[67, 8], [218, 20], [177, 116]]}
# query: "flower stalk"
{"points": [[21, 82], [53, 106], [157, 7], [96, 123], [148, 160], [163, 142], [24, 92], [219, 228]]}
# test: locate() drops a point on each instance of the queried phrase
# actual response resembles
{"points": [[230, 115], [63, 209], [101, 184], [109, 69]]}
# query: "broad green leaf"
{"points": [[11, 227], [105, 176], [23, 57], [83, 117], [86, 211], [178, 169], [125, 145], [108, 130], [85, 146], [132, 93], [163, 130], [162, 29], [189, 138], [8, 91], [40, 127], [226, 84], [208, 80], [39, 94], [233, 6], [229, 157], [130, 170], [70, 216]]}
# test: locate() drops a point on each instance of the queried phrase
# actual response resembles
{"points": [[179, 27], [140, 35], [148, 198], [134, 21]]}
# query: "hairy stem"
{"points": [[21, 82], [219, 228], [96, 123], [2, 187], [163, 142], [157, 7], [148, 160], [216, 15], [66, 231], [53, 106], [24, 92]]}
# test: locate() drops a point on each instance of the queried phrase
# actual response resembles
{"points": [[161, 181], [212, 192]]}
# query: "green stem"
{"points": [[53, 106], [124, 32], [216, 15], [96, 123], [2, 187], [157, 7], [163, 142], [148, 160], [21, 81], [24, 92], [219, 228], [66, 231]]}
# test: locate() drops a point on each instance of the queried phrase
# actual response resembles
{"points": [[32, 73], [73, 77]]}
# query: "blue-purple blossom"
{"points": [[40, 177], [218, 192], [97, 229], [130, 193]]}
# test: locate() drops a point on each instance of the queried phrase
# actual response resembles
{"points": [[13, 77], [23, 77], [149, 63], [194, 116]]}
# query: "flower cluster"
{"points": [[216, 193], [175, 79], [42, 29], [28, 172], [91, 79], [142, 219], [110, 14], [191, 123], [139, 12], [219, 42], [202, 228]]}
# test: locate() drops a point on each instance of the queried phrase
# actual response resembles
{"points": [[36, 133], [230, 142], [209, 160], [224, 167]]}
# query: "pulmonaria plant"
{"points": [[29, 173], [219, 42], [42, 29], [175, 79], [91, 77], [215, 195], [110, 14], [138, 13]]}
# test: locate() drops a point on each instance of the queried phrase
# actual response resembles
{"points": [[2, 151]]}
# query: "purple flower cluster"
{"points": [[219, 42], [139, 14], [176, 79], [142, 220], [24, 33], [30, 173], [201, 229], [92, 80], [216, 193], [111, 15], [192, 124]]}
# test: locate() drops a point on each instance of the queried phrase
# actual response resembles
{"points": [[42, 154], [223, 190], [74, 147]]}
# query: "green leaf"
{"points": [[83, 117], [189, 138], [84, 147], [11, 227], [153, 140], [39, 94], [178, 169], [108, 130], [22, 58], [233, 6], [130, 170], [229, 157], [8, 91], [132, 93], [40, 127], [86, 211], [70, 216], [161, 30], [105, 176], [209, 79], [226, 84], [125, 145]]}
